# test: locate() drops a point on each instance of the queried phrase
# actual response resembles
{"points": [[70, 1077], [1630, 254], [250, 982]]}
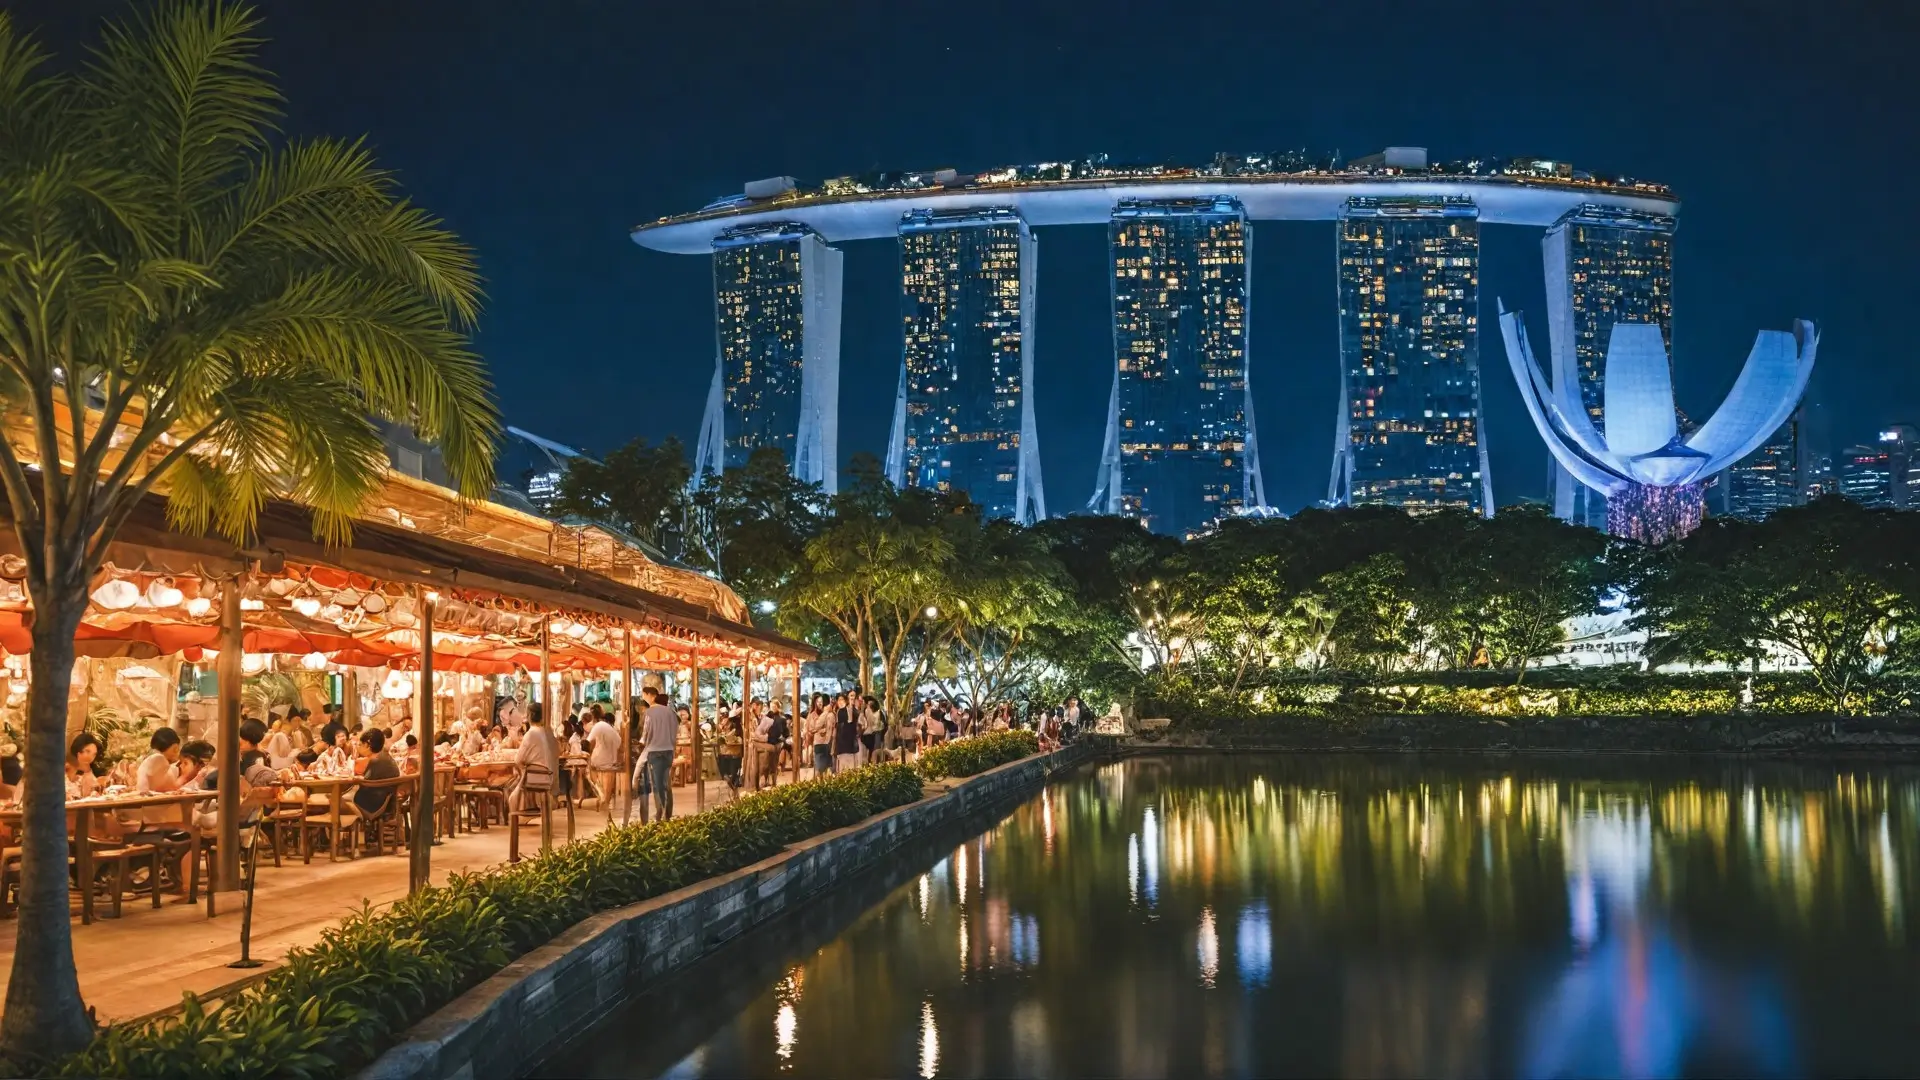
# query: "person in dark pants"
{"points": [[662, 727]]}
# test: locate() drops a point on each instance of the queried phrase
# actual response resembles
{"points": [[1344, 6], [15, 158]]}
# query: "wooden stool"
{"points": [[533, 801]]}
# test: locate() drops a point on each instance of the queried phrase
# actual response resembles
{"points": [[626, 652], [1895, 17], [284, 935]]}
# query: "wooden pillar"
{"points": [[420, 871], [629, 729], [699, 777], [545, 694], [799, 741], [749, 754], [227, 752]]}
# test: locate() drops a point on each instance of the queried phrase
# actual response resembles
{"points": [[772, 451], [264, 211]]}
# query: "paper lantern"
{"points": [[307, 606], [396, 687], [253, 663], [199, 606], [162, 594], [117, 595], [314, 661]]}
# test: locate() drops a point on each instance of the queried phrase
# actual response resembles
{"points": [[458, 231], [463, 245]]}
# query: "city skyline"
{"points": [[542, 164], [1180, 448]]}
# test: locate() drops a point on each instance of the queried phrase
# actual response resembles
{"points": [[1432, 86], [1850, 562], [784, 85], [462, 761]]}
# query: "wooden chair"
{"points": [[249, 838], [389, 825], [536, 804], [286, 821], [120, 860], [313, 826], [607, 784]]}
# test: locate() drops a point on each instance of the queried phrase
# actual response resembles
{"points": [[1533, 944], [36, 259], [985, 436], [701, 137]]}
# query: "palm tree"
{"points": [[193, 306]]}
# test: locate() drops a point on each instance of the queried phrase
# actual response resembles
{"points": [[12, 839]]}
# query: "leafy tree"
{"points": [[1004, 584], [880, 573], [188, 304], [1374, 627], [758, 518], [639, 488], [1823, 582], [1542, 572]]}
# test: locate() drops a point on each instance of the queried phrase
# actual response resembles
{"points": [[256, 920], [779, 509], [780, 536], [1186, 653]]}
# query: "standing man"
{"points": [[661, 725]]}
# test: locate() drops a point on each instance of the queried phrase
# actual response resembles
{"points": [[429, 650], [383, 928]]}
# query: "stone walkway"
{"points": [[141, 962]]}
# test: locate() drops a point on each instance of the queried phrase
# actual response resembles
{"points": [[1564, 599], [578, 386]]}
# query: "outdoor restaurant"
{"points": [[441, 617]]}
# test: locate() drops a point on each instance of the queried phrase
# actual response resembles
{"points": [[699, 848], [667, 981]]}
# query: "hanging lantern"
{"points": [[163, 594], [199, 606], [307, 606], [314, 661], [396, 687], [253, 663], [117, 595], [373, 603]]}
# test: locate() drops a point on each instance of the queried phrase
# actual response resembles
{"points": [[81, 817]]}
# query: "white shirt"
{"points": [[279, 748], [156, 774], [538, 748], [605, 739]]}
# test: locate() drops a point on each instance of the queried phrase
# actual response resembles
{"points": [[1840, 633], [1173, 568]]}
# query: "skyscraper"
{"points": [[1769, 478], [1409, 430], [776, 382], [1179, 450], [1605, 265], [1883, 473], [966, 304]]}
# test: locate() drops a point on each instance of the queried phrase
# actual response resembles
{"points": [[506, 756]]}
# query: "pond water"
{"points": [[1351, 916]]}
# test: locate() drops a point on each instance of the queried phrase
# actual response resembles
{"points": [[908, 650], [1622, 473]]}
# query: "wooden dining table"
{"points": [[335, 785], [82, 811]]}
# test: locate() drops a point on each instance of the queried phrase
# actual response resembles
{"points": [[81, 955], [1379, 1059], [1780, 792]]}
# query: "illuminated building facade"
{"points": [[1605, 265], [1180, 447], [965, 413], [1409, 425], [776, 294], [1653, 475], [1883, 473], [1767, 479]]}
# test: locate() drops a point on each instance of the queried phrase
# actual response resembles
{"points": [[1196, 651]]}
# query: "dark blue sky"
{"points": [[542, 131]]}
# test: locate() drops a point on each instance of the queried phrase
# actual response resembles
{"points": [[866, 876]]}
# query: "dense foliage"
{"points": [[336, 1005], [911, 590], [972, 756]]}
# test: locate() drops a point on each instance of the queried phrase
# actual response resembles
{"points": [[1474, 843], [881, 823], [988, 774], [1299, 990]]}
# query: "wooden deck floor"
{"points": [[142, 962]]}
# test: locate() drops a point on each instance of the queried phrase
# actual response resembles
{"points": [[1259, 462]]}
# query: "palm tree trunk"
{"points": [[45, 1017]]}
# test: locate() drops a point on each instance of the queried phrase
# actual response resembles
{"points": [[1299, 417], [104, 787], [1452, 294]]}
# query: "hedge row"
{"points": [[976, 754], [336, 1005]]}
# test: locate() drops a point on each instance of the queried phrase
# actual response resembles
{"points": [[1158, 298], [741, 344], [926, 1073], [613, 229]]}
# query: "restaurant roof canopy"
{"points": [[502, 576]]}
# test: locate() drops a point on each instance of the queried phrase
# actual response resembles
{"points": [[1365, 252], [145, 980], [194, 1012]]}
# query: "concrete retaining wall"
{"points": [[529, 1009]]}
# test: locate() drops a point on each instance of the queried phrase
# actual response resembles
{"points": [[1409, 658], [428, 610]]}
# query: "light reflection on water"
{"points": [[1373, 917]]}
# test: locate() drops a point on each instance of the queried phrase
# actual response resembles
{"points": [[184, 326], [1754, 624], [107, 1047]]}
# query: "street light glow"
{"points": [[932, 612]]}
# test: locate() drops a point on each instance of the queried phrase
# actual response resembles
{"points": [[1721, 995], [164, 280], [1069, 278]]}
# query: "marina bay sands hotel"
{"points": [[1181, 446]]}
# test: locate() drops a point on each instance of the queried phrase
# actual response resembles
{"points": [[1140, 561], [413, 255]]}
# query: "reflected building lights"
{"points": [[1207, 949], [1150, 856], [1253, 945], [786, 1029], [929, 1042], [1133, 869]]}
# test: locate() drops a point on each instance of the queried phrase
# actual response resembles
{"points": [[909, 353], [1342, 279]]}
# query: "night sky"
{"points": [[542, 131]]}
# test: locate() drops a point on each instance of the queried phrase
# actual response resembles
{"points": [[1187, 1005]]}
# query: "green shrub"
{"points": [[335, 1005], [976, 754]]}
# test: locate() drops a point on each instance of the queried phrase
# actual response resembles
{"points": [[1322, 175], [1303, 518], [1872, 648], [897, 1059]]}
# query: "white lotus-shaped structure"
{"points": [[1652, 477]]}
